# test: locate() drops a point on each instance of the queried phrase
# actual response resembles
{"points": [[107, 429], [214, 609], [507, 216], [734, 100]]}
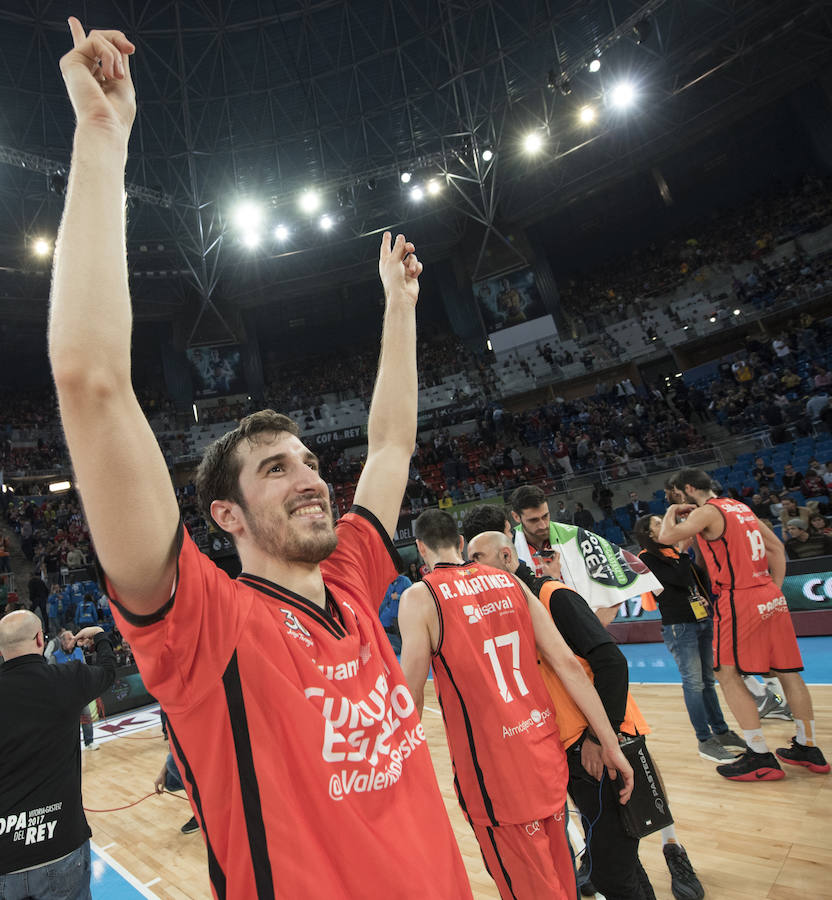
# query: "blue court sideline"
{"points": [[653, 664], [110, 881]]}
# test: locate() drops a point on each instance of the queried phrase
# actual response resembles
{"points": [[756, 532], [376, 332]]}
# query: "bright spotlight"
{"points": [[712, 319], [595, 65], [487, 155], [309, 201], [587, 114], [416, 193], [326, 222], [41, 247], [406, 176], [281, 232], [736, 312], [251, 239], [623, 95], [434, 187], [57, 486], [533, 142], [248, 215]]}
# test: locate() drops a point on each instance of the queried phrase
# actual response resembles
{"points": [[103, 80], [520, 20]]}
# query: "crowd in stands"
{"points": [[771, 384], [621, 289], [53, 532]]}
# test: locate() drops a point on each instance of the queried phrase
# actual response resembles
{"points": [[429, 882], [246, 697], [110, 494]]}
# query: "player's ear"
{"points": [[227, 516], [461, 544], [515, 517]]}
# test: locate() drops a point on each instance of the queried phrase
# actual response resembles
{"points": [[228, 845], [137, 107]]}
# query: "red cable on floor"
{"points": [[119, 808]]}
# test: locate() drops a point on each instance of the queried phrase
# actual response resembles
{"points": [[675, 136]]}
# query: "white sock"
{"points": [[668, 835], [805, 736], [757, 688], [774, 683], [755, 740]]}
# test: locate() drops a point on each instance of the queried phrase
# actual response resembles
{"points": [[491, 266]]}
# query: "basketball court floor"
{"points": [[746, 841]]}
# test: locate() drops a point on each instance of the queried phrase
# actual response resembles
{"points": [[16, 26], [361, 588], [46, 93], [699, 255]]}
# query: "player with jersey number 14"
{"points": [[753, 633]]}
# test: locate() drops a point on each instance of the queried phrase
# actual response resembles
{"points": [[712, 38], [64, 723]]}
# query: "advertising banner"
{"points": [[216, 371], [509, 300]]}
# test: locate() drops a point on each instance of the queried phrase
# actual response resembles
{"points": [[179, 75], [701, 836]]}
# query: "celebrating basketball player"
{"points": [[753, 631], [479, 628], [292, 726]]}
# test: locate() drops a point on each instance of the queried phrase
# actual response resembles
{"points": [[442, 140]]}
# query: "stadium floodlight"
{"points": [[56, 487], [416, 193], [309, 201], [533, 142], [712, 319], [247, 215], [41, 247], [434, 187], [623, 95], [281, 233], [595, 65], [406, 176], [587, 115], [326, 223], [487, 154], [737, 312], [251, 239]]}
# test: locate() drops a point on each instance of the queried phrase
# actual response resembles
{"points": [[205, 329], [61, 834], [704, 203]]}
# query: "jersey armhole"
{"points": [[389, 546], [143, 621], [724, 525], [439, 616]]}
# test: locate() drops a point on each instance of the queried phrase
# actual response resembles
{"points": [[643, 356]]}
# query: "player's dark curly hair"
{"points": [[218, 475]]}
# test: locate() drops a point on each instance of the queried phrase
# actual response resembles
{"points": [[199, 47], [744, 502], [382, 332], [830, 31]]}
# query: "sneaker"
{"points": [[801, 755], [190, 826], [585, 885], [731, 739], [92, 746], [773, 706], [683, 881], [753, 766], [715, 751]]}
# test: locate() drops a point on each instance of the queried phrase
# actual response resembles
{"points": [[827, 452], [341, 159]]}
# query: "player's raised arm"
{"points": [[391, 427], [120, 472]]}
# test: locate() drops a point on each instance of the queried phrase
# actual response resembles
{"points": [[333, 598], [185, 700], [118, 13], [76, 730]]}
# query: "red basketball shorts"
{"points": [[530, 861], [753, 631]]}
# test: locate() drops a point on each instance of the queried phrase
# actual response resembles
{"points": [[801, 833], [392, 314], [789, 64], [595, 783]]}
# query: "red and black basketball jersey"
{"points": [[737, 560], [509, 765], [295, 733]]}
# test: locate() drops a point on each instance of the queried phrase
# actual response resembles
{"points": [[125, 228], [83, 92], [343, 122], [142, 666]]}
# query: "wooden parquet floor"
{"points": [[766, 841]]}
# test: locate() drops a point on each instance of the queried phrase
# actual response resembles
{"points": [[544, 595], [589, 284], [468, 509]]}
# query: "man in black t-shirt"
{"points": [[44, 836]]}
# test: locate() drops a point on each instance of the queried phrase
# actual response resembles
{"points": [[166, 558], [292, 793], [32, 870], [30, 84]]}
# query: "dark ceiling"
{"points": [[260, 100]]}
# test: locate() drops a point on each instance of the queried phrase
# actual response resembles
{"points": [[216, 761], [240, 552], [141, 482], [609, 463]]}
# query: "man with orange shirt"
{"points": [[306, 766], [481, 630]]}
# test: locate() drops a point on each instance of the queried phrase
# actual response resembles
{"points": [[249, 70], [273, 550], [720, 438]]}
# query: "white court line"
{"points": [[111, 844], [152, 881], [131, 879], [431, 709]]}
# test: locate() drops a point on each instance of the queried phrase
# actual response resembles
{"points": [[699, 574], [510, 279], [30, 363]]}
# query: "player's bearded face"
{"points": [[287, 512], [298, 530]]}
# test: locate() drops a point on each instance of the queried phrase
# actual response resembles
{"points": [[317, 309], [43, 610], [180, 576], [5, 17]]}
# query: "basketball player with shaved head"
{"points": [[290, 721]]}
